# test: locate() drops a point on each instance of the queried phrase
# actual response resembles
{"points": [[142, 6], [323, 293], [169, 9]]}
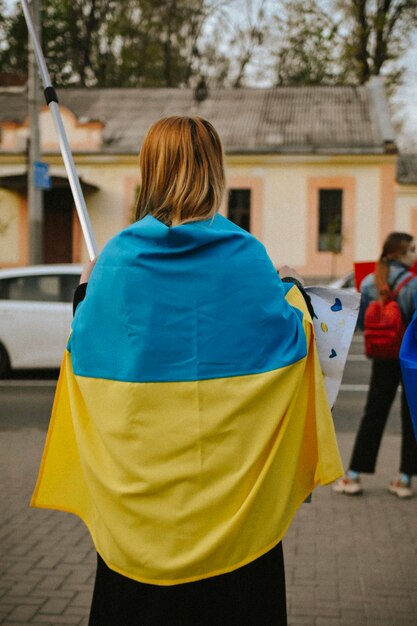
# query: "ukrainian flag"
{"points": [[408, 360], [190, 419]]}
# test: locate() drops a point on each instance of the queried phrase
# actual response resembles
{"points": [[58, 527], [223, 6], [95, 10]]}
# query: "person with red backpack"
{"points": [[387, 306]]}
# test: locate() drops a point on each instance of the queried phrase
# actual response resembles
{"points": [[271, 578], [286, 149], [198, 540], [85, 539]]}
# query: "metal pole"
{"points": [[35, 195], [52, 102]]}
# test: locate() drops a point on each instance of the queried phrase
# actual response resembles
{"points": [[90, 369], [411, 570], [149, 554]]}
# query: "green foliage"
{"points": [[377, 35], [55, 40], [342, 41], [110, 43], [308, 51], [174, 43], [13, 43]]}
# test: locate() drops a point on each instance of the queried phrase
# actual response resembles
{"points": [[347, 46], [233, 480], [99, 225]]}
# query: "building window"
{"points": [[238, 207], [330, 220]]}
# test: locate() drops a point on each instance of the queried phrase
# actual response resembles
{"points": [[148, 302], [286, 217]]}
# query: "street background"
{"points": [[350, 561]]}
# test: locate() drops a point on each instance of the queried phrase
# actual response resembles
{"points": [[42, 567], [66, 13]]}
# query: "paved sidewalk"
{"points": [[349, 561]]}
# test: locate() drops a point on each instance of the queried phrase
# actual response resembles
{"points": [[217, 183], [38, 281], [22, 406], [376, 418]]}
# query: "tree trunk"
{"points": [[359, 12], [169, 79], [380, 55]]}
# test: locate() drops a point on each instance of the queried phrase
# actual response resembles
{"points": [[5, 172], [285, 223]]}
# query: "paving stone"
{"points": [[351, 617], [83, 598], [5, 609], [79, 576], [22, 613], [30, 599], [55, 593], [327, 621], [328, 611], [75, 556], [329, 594], [22, 548], [64, 620], [20, 567], [54, 605], [49, 562], [26, 624], [22, 587], [400, 605], [51, 582], [82, 611]]}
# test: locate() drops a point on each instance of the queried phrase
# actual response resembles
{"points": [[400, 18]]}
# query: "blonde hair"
{"points": [[181, 163]]}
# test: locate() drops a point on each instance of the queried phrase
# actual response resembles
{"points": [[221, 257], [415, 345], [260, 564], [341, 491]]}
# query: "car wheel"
{"points": [[4, 362]]}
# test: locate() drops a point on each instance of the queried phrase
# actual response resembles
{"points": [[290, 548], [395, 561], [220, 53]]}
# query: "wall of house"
{"points": [[406, 208], [111, 207], [12, 243], [86, 136], [288, 217]]}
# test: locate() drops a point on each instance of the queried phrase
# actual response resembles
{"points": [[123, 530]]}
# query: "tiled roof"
{"points": [[407, 169], [323, 119]]}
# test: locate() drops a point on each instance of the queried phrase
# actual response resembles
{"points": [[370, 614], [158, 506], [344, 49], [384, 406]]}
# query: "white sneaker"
{"points": [[400, 489], [350, 486]]}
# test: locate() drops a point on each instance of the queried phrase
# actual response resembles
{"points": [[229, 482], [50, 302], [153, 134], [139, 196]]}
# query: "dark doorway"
{"points": [[57, 232]]}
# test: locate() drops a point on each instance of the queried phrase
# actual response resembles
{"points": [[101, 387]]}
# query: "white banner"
{"points": [[336, 314]]}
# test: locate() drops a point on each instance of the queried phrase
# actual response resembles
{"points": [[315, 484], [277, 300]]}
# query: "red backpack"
{"points": [[384, 326]]}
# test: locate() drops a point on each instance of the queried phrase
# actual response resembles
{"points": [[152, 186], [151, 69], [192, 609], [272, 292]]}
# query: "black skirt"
{"points": [[253, 595]]}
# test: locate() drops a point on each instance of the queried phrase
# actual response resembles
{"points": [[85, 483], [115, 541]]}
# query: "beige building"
{"points": [[406, 194], [311, 171]]}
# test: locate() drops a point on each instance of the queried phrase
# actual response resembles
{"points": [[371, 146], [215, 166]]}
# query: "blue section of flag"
{"points": [[408, 359], [197, 301]]}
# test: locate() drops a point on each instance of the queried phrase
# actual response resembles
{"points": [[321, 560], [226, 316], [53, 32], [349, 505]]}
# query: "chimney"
{"points": [[201, 91]]}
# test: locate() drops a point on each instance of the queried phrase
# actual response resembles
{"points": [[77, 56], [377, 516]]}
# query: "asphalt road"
{"points": [[26, 398]]}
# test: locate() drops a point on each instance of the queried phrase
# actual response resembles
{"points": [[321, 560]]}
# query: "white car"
{"points": [[35, 315], [345, 282]]}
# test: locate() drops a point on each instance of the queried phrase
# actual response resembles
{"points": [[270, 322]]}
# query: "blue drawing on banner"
{"points": [[337, 306], [332, 354]]}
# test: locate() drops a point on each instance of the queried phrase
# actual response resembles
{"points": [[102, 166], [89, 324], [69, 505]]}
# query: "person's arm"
{"points": [[79, 296], [366, 299], [406, 300], [81, 290], [289, 275]]}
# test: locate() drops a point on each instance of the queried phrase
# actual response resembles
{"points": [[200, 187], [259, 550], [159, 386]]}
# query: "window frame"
{"points": [[64, 282]]}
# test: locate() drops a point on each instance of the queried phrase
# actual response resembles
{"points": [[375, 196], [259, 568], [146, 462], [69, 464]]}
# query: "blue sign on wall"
{"points": [[42, 178]]}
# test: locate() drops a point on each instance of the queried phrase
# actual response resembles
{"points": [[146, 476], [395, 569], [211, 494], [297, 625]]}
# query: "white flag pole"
{"points": [[52, 102]]}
